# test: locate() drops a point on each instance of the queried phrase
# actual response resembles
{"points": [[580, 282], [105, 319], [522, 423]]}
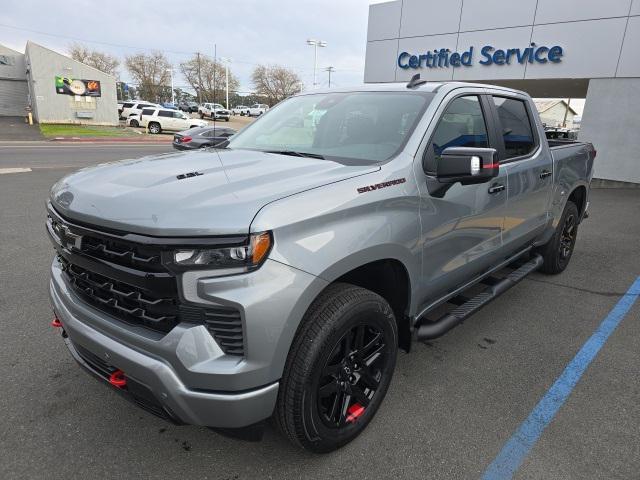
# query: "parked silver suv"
{"points": [[278, 274]]}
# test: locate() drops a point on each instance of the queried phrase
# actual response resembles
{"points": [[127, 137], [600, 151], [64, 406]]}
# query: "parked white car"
{"points": [[214, 110], [134, 108], [258, 109], [240, 110], [158, 119]]}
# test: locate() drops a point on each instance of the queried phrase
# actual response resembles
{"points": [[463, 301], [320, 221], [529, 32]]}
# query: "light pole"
{"points": [[315, 44], [226, 77], [330, 69], [173, 95]]}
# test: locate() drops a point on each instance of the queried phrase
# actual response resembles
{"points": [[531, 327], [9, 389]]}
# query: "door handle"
{"points": [[498, 187], [544, 173]]}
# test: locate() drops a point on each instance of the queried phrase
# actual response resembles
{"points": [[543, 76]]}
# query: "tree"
{"points": [[152, 75], [207, 78], [183, 96], [99, 60], [275, 82]]}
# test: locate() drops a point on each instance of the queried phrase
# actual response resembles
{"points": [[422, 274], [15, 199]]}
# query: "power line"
{"points": [[39, 32], [131, 47]]}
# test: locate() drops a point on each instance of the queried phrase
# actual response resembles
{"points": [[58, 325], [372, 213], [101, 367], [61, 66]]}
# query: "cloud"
{"points": [[249, 32]]}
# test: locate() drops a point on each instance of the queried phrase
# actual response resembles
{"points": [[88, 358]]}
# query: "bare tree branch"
{"points": [[102, 61], [208, 78], [275, 82], [151, 74]]}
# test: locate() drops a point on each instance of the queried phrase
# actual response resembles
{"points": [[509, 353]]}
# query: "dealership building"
{"points": [[55, 88], [548, 48]]}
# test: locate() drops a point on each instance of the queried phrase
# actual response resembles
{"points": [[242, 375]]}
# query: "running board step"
{"points": [[429, 331]]}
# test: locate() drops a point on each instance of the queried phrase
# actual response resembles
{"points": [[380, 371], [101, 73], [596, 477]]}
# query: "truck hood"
{"points": [[192, 193]]}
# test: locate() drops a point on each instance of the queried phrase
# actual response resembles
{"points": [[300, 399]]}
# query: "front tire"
{"points": [[154, 127], [338, 369], [134, 123], [558, 250]]}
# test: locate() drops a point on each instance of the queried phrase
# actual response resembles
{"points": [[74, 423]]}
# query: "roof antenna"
{"points": [[415, 81]]}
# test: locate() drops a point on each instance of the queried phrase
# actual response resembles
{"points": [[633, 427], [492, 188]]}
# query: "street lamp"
{"points": [[315, 44], [173, 97], [226, 77]]}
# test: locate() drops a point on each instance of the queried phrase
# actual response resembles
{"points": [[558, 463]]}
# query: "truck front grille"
{"points": [[127, 302], [127, 280]]}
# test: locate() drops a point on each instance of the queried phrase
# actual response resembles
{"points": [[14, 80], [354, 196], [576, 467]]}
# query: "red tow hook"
{"points": [[118, 379], [56, 322], [355, 411]]}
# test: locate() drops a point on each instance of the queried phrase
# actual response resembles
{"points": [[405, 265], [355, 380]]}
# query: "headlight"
{"points": [[231, 260]]}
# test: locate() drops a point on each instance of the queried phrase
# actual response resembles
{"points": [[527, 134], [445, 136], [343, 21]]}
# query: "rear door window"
{"points": [[147, 111], [515, 127], [165, 113]]}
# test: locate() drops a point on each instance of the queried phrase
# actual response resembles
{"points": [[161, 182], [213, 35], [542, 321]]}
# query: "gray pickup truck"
{"points": [[277, 275]]}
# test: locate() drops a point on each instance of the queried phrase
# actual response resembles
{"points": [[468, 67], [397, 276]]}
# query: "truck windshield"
{"points": [[367, 126]]}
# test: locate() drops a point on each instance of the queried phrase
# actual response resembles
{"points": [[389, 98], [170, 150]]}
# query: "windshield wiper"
{"points": [[293, 153]]}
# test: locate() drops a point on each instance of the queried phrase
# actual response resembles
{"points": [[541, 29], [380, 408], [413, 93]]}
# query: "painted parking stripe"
{"points": [[518, 446], [14, 170]]}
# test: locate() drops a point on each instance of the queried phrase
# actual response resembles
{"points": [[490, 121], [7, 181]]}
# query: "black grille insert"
{"points": [[125, 301], [224, 324]]}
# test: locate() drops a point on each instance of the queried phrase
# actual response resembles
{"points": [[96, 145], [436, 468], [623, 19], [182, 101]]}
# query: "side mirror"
{"points": [[467, 165]]}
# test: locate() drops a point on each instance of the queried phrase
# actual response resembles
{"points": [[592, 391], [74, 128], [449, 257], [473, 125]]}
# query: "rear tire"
{"points": [[338, 369], [154, 128], [558, 250], [134, 123]]}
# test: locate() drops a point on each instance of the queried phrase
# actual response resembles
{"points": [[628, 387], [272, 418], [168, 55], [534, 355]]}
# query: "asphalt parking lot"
{"points": [[235, 121], [453, 403]]}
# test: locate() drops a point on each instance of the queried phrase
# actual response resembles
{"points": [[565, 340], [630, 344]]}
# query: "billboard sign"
{"points": [[84, 88]]}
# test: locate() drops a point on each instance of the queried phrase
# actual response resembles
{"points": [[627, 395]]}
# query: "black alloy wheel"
{"points": [[557, 252], [568, 236], [351, 377], [338, 369]]}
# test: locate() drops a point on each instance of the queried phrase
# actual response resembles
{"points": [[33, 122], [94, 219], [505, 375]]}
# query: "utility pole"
{"points": [[566, 112], [199, 80], [215, 68], [329, 70], [173, 96]]}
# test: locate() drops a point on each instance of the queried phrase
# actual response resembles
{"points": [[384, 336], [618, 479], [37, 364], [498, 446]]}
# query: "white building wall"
{"points": [[601, 49], [51, 107], [610, 122], [591, 32], [554, 116], [13, 84]]}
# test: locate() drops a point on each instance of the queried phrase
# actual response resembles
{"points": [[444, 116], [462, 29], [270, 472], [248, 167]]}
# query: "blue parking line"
{"points": [[517, 448]]}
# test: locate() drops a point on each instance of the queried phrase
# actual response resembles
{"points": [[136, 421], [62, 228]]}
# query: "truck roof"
{"points": [[402, 87]]}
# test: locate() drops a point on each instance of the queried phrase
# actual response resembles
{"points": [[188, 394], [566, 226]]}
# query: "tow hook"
{"points": [[355, 411], [118, 379]]}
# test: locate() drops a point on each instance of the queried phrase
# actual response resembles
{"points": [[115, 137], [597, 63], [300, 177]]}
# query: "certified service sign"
{"points": [[444, 58]]}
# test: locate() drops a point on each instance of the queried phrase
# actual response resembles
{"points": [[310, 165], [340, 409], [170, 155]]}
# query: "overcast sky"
{"points": [[250, 32]]}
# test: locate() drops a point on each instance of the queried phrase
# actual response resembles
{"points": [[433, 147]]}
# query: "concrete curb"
{"points": [[161, 140]]}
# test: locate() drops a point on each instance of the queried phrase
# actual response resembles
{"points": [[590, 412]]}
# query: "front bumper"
{"points": [[206, 408], [185, 372]]}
